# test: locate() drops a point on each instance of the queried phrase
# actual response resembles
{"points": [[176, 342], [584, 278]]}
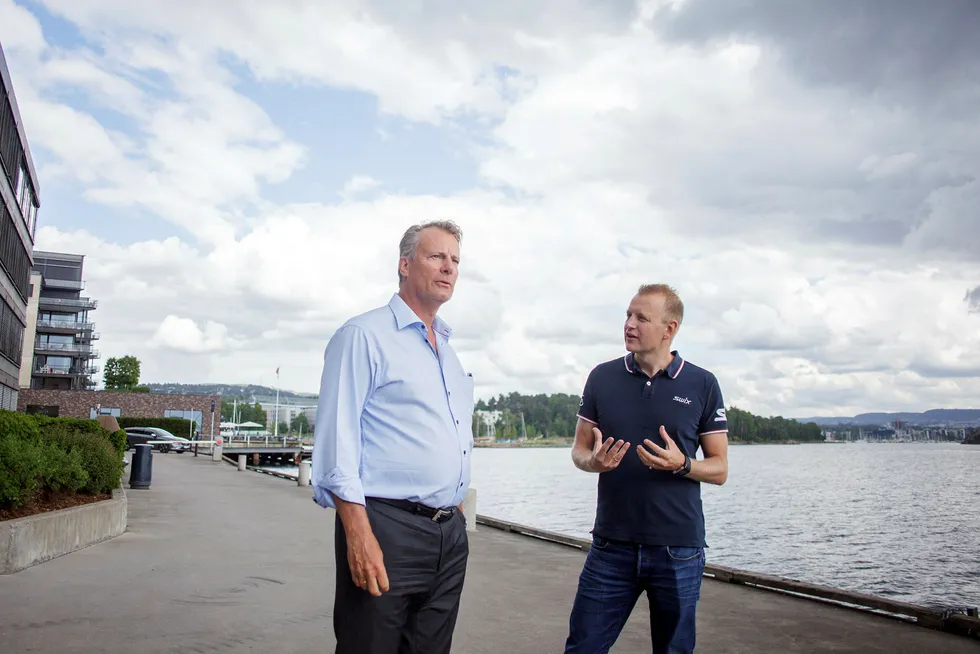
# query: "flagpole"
{"points": [[276, 436]]}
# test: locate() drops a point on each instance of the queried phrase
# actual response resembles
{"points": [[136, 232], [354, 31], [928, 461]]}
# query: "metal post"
{"points": [[277, 418], [469, 509]]}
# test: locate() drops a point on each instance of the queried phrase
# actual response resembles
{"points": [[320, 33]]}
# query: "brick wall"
{"points": [[79, 404]]}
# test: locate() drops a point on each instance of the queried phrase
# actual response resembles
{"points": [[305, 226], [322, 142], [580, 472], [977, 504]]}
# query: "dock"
{"points": [[218, 560], [273, 454]]}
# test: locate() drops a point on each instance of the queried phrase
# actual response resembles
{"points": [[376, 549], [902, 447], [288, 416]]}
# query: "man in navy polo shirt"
{"points": [[649, 526]]}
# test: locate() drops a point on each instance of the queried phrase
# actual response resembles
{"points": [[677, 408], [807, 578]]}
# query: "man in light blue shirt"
{"points": [[392, 448]]}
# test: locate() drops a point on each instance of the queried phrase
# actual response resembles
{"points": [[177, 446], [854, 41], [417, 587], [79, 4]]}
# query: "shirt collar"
{"points": [[405, 316], [673, 369]]}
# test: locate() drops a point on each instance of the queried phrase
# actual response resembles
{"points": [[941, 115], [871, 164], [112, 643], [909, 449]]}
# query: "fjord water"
{"points": [[894, 520]]}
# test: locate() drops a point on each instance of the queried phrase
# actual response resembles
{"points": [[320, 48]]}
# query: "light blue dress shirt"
{"points": [[394, 418]]}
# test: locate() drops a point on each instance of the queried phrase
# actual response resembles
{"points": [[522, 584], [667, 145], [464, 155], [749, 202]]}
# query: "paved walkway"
{"points": [[217, 560]]}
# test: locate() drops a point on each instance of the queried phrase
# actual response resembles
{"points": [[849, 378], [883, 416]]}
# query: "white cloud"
{"points": [[183, 334], [358, 185], [823, 241]]}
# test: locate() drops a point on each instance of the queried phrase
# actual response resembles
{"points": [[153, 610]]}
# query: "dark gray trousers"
{"points": [[426, 565]]}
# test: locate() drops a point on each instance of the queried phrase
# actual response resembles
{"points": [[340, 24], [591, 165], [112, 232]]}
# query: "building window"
{"points": [[8, 398], [103, 411], [195, 416], [13, 253], [11, 333], [21, 185], [51, 411]]}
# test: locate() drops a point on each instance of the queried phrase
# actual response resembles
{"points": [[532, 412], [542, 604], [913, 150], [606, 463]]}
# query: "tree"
{"points": [[301, 423], [121, 374]]}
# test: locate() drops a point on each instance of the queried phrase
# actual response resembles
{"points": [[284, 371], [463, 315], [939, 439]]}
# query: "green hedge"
{"points": [[39, 454], [176, 426]]}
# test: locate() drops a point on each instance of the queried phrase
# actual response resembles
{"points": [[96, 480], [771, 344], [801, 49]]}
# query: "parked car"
{"points": [[140, 436]]}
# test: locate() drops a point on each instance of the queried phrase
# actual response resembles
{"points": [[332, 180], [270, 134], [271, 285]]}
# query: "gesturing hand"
{"points": [[366, 562], [669, 458], [606, 455]]}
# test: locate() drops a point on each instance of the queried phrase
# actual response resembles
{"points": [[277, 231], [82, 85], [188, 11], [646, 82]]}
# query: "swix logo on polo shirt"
{"points": [[682, 400]]}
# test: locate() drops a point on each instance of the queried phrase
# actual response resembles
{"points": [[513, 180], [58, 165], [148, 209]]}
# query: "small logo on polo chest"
{"points": [[682, 400]]}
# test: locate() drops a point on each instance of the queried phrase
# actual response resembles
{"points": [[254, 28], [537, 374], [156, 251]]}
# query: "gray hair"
{"points": [[409, 244]]}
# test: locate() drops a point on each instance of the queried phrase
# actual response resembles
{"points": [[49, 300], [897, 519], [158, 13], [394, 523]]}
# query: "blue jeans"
{"points": [[612, 579]]}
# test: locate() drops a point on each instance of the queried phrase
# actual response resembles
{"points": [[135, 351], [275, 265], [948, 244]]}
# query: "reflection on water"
{"points": [[894, 520]]}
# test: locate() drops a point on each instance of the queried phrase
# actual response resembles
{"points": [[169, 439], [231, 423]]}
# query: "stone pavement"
{"points": [[216, 560]]}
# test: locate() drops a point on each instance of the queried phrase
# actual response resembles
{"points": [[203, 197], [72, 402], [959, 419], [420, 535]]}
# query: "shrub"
{"points": [[118, 439], [96, 453], [19, 424], [85, 426], [39, 454], [21, 466], [62, 471]]}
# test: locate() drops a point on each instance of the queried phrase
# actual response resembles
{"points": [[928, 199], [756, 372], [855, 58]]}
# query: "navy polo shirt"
{"points": [[636, 504]]}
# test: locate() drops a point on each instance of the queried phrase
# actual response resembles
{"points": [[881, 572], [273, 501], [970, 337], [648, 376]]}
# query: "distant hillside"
{"points": [[248, 391], [931, 417]]}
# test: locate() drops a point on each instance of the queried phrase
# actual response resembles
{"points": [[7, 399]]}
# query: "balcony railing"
{"points": [[72, 348], [69, 284], [74, 371], [73, 303], [73, 325]]}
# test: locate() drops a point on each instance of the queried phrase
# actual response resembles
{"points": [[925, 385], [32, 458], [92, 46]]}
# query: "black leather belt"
{"points": [[436, 515]]}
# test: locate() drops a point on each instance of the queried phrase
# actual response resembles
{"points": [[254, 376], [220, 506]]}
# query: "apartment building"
{"points": [[18, 215], [61, 355]]}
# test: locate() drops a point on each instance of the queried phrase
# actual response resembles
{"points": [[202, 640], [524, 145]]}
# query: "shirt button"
{"points": [[457, 422], [648, 383]]}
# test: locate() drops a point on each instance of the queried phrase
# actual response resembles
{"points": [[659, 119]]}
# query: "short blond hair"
{"points": [[673, 307]]}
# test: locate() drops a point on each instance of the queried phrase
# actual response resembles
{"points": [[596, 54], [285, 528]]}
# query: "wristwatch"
{"points": [[686, 468]]}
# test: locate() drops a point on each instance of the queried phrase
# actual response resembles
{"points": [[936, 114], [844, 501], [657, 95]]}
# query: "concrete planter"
{"points": [[28, 541]]}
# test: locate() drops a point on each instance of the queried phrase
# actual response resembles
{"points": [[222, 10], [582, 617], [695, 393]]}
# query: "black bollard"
{"points": [[141, 467]]}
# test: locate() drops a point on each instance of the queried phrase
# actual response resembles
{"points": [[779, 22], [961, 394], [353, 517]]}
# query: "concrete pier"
{"points": [[216, 561]]}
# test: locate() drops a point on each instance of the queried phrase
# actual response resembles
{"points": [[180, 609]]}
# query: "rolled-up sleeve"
{"points": [[345, 385]]}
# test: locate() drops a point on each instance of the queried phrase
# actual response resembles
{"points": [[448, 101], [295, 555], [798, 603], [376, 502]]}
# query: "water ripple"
{"points": [[898, 520]]}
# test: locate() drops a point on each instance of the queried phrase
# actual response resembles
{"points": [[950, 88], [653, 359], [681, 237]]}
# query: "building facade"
{"points": [[202, 409], [18, 216], [61, 350]]}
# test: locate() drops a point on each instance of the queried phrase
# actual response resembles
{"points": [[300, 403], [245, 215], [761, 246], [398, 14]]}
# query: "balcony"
{"points": [[77, 349], [66, 326], [57, 371], [64, 284], [80, 304]]}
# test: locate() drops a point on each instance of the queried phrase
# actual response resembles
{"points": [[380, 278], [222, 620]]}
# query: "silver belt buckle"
{"points": [[438, 514]]}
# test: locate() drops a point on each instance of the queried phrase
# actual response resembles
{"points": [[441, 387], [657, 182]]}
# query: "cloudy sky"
{"points": [[238, 174]]}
